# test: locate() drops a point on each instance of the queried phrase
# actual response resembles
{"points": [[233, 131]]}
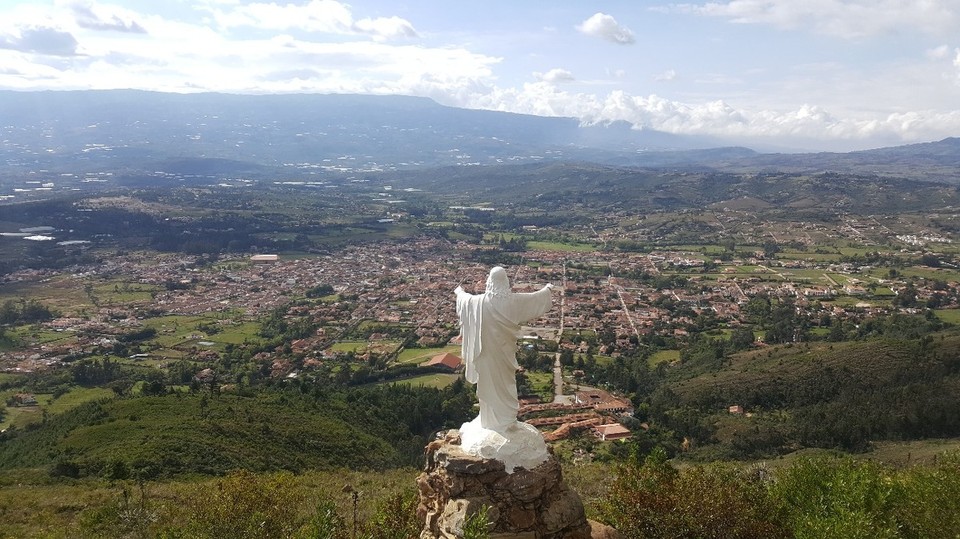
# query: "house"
{"points": [[736, 409], [611, 431], [264, 259], [604, 402], [25, 399], [447, 361]]}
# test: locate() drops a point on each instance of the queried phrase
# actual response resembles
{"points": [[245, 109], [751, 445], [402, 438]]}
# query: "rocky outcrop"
{"points": [[524, 504]]}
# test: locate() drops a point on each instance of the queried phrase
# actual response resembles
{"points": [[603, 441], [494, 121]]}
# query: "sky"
{"points": [[833, 75]]}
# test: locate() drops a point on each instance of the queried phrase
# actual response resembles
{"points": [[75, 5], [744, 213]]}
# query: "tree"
{"points": [[758, 309], [9, 312], [742, 338], [786, 325]]}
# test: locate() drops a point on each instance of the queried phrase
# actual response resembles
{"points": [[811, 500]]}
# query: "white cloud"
{"points": [[386, 28], [94, 16], [843, 18], [719, 118], [327, 16], [605, 26], [316, 15], [63, 46], [40, 40], [667, 75], [938, 53], [555, 76]]}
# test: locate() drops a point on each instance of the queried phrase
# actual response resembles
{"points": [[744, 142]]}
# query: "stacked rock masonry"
{"points": [[524, 504]]}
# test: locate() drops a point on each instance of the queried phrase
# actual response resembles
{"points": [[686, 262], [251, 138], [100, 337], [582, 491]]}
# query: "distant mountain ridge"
{"points": [[938, 160], [377, 131], [81, 131]]}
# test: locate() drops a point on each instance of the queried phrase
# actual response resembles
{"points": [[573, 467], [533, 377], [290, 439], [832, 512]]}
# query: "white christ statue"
{"points": [[490, 325]]}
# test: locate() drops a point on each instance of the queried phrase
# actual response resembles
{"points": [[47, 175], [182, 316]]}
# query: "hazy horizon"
{"points": [[837, 75]]}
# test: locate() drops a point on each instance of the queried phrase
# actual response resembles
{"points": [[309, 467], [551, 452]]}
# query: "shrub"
{"points": [[242, 505], [655, 500], [842, 498], [932, 505], [396, 518], [325, 524]]}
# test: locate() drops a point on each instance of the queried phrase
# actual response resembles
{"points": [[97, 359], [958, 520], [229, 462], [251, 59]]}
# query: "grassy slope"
{"points": [[29, 507], [186, 433], [769, 373]]}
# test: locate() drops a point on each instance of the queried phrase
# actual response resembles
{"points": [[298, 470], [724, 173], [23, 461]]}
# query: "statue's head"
{"points": [[497, 282]]}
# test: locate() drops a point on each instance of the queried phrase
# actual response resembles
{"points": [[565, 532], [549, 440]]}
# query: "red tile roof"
{"points": [[448, 360]]}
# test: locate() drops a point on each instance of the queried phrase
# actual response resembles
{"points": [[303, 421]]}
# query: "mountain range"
{"points": [[329, 134]]}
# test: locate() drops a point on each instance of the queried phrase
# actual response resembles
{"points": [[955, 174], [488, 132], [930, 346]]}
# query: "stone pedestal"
{"points": [[524, 504]]}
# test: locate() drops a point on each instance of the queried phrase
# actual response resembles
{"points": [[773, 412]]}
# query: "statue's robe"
{"points": [[490, 327]]}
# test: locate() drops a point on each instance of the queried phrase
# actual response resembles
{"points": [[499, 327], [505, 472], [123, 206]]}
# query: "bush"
{"points": [[396, 518], [932, 505], [819, 498], [824, 498], [655, 500], [242, 505], [325, 524]]}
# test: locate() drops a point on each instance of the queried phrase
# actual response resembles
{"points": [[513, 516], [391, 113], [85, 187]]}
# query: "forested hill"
{"points": [[557, 187], [213, 433]]}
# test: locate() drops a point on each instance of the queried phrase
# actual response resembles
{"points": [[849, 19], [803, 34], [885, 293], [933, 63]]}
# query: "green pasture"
{"points": [[123, 292], [20, 416], [77, 396], [37, 335], [813, 276], [349, 346], [587, 334], [565, 247], [62, 293], [351, 234], [276, 236], [603, 360], [663, 356], [10, 378], [541, 383], [811, 256], [852, 301], [437, 380], [175, 331], [941, 274], [841, 278], [693, 248], [951, 316], [853, 249], [237, 334]]}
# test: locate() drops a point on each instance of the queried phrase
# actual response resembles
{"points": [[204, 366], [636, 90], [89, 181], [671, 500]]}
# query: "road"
{"points": [[558, 395]]}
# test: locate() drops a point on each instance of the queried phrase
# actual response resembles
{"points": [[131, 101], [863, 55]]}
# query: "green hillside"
{"points": [[212, 434], [831, 395]]}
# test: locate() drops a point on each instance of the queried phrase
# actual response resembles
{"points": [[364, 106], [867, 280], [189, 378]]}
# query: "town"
{"points": [[375, 306]]}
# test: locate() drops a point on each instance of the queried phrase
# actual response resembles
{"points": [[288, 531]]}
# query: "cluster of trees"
{"points": [[22, 311], [781, 319]]}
